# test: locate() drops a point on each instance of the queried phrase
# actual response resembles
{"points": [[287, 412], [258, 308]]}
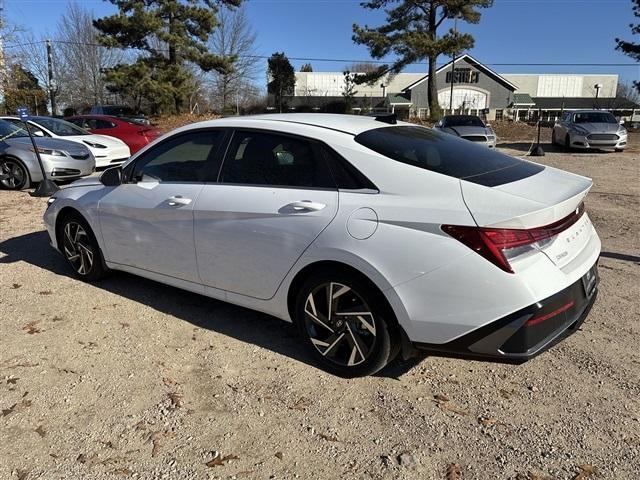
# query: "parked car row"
{"points": [[69, 149]]}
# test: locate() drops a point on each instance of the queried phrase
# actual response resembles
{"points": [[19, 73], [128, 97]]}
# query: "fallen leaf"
{"points": [[506, 393], [219, 460], [45, 292], [440, 398], [155, 438], [328, 438], [140, 425], [585, 471], [444, 404], [40, 431], [22, 474], [454, 472], [31, 328], [16, 285], [17, 407], [169, 382], [176, 400], [302, 404], [489, 421], [57, 319], [279, 455], [12, 380], [124, 324]]}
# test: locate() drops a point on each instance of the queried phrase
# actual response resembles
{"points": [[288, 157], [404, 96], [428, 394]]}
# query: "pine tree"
{"points": [[171, 33], [411, 33], [349, 89], [629, 48], [306, 68], [282, 77]]}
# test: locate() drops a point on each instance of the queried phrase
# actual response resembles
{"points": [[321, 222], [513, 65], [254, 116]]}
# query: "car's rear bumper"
{"points": [[527, 332]]}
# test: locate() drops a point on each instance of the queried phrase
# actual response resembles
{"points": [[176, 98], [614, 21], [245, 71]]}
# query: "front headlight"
{"points": [[94, 145], [47, 151]]}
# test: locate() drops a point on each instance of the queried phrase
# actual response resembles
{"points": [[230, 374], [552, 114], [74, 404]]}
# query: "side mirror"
{"points": [[111, 177], [621, 122]]}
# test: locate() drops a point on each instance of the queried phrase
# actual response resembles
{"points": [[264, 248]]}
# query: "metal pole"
{"points": [[453, 69], [46, 187]]}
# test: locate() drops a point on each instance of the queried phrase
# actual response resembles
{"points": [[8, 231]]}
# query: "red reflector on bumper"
{"points": [[547, 316]]}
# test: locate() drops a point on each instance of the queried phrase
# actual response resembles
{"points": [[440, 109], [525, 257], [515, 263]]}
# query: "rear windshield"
{"points": [[446, 154], [462, 121]]}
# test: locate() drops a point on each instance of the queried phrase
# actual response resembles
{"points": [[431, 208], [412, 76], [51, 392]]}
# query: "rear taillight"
{"points": [[498, 245]]}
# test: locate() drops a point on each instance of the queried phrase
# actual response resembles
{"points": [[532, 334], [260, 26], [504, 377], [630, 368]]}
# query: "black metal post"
{"points": [[46, 187], [537, 150]]}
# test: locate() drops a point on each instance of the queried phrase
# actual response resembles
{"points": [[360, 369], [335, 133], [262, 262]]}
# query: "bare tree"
{"points": [[234, 37], [83, 58], [629, 92]]}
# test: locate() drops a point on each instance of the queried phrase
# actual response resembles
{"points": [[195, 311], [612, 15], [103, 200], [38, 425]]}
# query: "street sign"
{"points": [[23, 113]]}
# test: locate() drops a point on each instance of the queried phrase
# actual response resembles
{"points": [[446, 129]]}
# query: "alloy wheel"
{"points": [[340, 324], [77, 248], [12, 175]]}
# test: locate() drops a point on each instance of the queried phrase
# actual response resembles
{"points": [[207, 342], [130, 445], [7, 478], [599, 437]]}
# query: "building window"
{"points": [[499, 114]]}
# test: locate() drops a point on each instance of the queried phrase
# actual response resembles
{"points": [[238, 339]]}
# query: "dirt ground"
{"points": [[132, 379]]}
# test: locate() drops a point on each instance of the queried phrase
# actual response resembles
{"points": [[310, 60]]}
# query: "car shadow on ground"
{"points": [[525, 147], [240, 323]]}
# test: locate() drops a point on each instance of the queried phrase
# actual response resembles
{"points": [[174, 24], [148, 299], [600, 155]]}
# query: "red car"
{"points": [[133, 134]]}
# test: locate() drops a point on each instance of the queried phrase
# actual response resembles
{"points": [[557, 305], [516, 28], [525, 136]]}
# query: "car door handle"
{"points": [[305, 205], [178, 200]]}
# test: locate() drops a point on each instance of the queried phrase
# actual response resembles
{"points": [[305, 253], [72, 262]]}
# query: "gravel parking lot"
{"points": [[130, 378]]}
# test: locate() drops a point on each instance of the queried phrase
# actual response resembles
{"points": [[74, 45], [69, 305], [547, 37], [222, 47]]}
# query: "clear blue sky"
{"points": [[512, 31]]}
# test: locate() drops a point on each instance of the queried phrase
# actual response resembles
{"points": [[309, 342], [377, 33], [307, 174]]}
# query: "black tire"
{"points": [[346, 345], [567, 143], [80, 248], [13, 174], [618, 150]]}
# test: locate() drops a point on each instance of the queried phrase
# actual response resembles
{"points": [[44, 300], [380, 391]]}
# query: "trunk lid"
{"points": [[543, 199]]}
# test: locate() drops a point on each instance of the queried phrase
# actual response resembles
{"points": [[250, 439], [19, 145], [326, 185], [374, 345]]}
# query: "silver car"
{"points": [[589, 129], [469, 127], [61, 159]]}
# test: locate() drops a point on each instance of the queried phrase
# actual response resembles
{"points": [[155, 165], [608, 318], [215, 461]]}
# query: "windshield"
{"points": [[9, 130], [118, 110], [59, 127], [462, 121], [594, 117], [446, 154]]}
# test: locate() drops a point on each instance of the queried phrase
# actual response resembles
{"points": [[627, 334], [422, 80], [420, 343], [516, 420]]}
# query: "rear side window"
{"points": [[270, 159], [345, 175], [446, 154]]}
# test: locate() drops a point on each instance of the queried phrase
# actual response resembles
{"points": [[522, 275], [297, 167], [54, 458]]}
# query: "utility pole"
{"points": [[52, 93]]}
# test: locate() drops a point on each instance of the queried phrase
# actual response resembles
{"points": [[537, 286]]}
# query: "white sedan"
{"points": [[108, 151], [373, 236]]}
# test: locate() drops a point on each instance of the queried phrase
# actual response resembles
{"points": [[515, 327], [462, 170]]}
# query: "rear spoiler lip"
{"points": [[544, 216]]}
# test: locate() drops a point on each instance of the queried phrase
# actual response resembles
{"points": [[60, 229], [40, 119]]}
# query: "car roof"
{"points": [[350, 124]]}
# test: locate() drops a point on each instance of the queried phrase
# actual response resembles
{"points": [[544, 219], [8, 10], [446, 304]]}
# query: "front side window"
{"points": [[190, 157], [270, 159], [446, 154]]}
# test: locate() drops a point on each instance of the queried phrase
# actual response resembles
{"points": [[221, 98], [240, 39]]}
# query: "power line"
{"points": [[346, 60]]}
